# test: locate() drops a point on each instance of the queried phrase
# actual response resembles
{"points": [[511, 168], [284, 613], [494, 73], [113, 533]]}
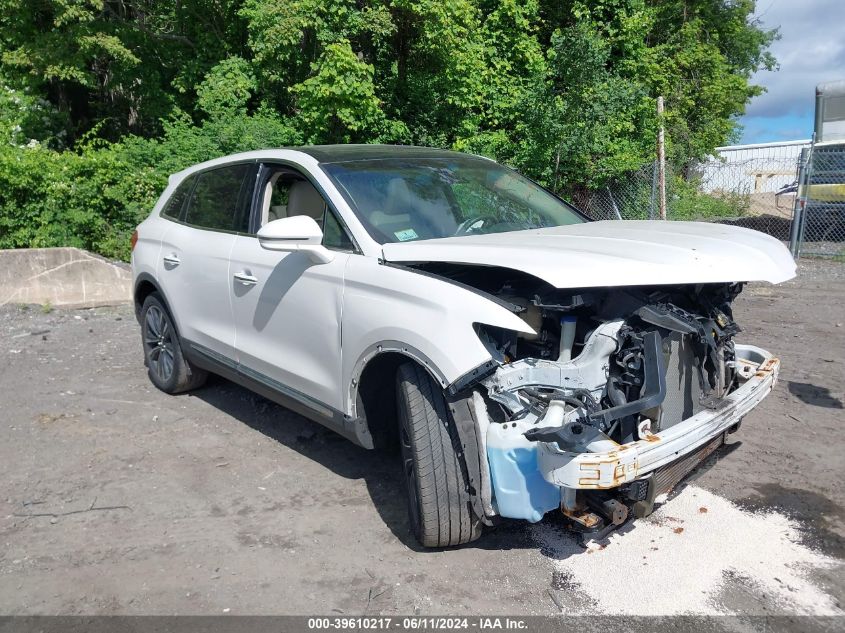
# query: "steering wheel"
{"points": [[468, 225]]}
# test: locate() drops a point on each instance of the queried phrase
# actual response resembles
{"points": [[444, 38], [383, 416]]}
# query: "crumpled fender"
{"points": [[429, 319]]}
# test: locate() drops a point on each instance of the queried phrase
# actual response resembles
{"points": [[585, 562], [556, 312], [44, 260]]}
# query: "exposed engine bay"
{"points": [[606, 369], [616, 358], [613, 357]]}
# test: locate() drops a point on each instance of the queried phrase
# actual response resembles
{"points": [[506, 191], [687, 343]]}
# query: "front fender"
{"points": [[429, 319]]}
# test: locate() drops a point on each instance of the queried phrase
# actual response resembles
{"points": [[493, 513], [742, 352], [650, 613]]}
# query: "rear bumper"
{"points": [[626, 462]]}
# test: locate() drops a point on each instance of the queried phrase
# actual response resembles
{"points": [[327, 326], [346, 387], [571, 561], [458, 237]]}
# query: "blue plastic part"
{"points": [[519, 488]]}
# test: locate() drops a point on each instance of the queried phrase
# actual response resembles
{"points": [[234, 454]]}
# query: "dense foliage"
{"points": [[102, 99]]}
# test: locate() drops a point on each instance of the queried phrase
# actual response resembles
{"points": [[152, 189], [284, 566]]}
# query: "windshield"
{"points": [[401, 200]]}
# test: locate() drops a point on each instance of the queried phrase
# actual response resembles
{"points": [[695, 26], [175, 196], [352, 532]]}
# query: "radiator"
{"points": [[683, 390]]}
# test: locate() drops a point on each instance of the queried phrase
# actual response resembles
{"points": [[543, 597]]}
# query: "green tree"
{"points": [[338, 102], [129, 64], [102, 99], [227, 88]]}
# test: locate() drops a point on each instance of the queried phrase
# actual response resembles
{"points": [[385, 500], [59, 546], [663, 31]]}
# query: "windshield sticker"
{"points": [[405, 235]]}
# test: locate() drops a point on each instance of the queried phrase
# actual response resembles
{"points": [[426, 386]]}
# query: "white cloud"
{"points": [[811, 50]]}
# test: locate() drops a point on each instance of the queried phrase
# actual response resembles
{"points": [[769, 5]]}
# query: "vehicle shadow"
{"points": [[379, 469]]}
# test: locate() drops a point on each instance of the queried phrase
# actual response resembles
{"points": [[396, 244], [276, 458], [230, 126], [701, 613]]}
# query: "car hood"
{"points": [[615, 253]]}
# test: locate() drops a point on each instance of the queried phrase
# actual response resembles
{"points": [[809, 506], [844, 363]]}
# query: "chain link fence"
{"points": [[820, 224], [754, 186]]}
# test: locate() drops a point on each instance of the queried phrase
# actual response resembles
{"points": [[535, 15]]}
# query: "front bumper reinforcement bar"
{"points": [[627, 462]]}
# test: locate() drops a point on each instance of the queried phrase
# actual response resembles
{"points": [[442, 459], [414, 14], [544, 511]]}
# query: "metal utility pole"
{"points": [[661, 160], [799, 208]]}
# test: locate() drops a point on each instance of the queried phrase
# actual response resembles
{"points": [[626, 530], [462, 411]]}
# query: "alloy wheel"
{"points": [[158, 340]]}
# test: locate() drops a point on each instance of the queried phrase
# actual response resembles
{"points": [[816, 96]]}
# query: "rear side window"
{"points": [[173, 207], [216, 200]]}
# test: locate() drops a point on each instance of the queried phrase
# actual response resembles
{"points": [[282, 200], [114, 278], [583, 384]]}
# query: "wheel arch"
{"points": [[145, 285], [374, 380], [377, 353]]}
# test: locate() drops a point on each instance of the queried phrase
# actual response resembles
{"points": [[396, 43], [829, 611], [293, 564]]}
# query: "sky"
{"points": [[811, 50]]}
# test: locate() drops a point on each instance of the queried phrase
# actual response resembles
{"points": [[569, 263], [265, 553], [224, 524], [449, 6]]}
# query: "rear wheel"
{"points": [[167, 367], [435, 475]]}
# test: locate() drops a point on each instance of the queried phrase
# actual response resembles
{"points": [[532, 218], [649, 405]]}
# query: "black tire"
{"points": [[167, 367], [435, 475]]}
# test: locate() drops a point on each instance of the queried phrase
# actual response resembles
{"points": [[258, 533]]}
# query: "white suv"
{"points": [[524, 358]]}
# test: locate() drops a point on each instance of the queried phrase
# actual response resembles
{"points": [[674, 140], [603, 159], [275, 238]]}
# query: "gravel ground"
{"points": [[118, 499]]}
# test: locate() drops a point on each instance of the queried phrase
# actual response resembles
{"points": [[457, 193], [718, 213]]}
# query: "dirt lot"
{"points": [[116, 498]]}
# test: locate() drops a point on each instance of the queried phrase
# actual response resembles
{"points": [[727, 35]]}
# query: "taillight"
{"points": [[134, 239]]}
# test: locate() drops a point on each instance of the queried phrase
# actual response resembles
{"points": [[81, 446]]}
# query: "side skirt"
{"points": [[353, 429]]}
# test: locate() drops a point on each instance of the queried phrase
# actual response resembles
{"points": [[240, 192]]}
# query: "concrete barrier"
{"points": [[67, 277]]}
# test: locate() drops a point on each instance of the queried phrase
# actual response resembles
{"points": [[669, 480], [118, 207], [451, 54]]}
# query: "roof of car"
{"points": [[327, 154], [342, 153]]}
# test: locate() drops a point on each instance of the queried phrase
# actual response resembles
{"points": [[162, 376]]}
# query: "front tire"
{"points": [[435, 475], [167, 367]]}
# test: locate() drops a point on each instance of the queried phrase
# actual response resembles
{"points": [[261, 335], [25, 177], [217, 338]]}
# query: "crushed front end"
{"points": [[618, 395]]}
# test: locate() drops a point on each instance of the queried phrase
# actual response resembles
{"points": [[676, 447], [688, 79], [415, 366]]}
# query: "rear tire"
{"points": [[167, 366], [435, 475]]}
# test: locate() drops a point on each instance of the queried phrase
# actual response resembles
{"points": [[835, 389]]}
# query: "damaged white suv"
{"points": [[524, 358]]}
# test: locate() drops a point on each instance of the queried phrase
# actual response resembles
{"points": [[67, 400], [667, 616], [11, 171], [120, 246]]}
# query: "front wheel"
{"points": [[168, 368], [435, 475]]}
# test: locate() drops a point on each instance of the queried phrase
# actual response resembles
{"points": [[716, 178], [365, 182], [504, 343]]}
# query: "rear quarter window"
{"points": [[176, 203], [215, 201]]}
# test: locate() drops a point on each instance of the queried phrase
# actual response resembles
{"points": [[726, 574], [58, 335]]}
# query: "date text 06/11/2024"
{"points": [[417, 623]]}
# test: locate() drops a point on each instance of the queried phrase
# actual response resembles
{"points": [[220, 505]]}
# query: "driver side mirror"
{"points": [[297, 233]]}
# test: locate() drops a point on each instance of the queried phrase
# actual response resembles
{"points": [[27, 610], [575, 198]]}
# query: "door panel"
{"points": [[195, 253], [287, 318], [194, 272]]}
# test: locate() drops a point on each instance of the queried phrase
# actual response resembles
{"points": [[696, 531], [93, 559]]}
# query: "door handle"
{"points": [[173, 260], [245, 279]]}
